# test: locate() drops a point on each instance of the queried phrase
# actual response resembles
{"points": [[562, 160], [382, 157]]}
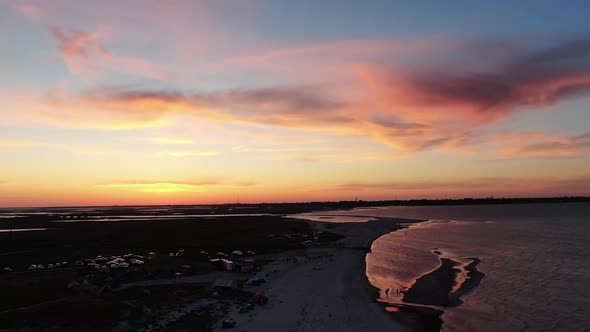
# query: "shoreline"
{"points": [[328, 289], [474, 277], [435, 288], [421, 307], [411, 317], [322, 287]]}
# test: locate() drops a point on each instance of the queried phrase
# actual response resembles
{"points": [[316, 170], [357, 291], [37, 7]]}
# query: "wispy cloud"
{"points": [[410, 109], [478, 186], [30, 10], [189, 153], [530, 78], [171, 186], [171, 140], [159, 187], [84, 55], [551, 147], [17, 143]]}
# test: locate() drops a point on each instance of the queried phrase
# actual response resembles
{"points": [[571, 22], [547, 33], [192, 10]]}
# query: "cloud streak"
{"points": [[171, 140], [409, 109], [189, 153], [28, 10], [477, 186], [85, 55], [536, 79], [18, 144], [552, 147], [169, 186]]}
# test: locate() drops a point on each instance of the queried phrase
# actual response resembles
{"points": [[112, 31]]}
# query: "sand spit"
{"points": [[327, 289], [435, 288]]}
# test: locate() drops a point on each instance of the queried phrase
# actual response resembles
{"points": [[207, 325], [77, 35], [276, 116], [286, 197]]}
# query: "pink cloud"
{"points": [[552, 146], [30, 10], [84, 54], [410, 109], [475, 187]]}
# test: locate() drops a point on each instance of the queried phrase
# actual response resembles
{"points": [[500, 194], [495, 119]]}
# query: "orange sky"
{"points": [[190, 102]]}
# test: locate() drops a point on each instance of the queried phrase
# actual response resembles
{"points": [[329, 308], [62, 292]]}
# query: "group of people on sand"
{"points": [[398, 291]]}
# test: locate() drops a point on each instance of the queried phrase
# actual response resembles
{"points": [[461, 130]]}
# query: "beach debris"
{"points": [[308, 243], [40, 267], [202, 304], [237, 253], [6, 269], [50, 266], [251, 253], [33, 267], [260, 299], [57, 265], [228, 323], [79, 263], [135, 261], [254, 281]]}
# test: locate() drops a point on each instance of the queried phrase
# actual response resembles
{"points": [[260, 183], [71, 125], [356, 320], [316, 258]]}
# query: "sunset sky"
{"points": [[189, 102]]}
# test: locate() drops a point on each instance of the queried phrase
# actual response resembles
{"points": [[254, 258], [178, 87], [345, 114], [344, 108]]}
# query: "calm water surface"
{"points": [[536, 258]]}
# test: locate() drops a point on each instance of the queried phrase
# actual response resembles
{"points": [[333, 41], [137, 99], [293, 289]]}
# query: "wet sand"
{"points": [[328, 290]]}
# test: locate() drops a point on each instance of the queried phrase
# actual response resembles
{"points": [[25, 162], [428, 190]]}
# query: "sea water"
{"points": [[536, 258]]}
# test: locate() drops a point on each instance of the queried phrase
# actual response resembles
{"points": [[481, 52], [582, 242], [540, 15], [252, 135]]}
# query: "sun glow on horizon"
{"points": [[208, 102]]}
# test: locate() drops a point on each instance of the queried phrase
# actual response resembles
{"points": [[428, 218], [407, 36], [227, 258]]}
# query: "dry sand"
{"points": [[327, 291]]}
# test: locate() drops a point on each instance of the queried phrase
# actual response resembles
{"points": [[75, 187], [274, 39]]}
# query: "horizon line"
{"points": [[309, 202]]}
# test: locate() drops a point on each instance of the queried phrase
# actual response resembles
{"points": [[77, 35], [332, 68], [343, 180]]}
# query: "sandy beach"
{"points": [[326, 289]]}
